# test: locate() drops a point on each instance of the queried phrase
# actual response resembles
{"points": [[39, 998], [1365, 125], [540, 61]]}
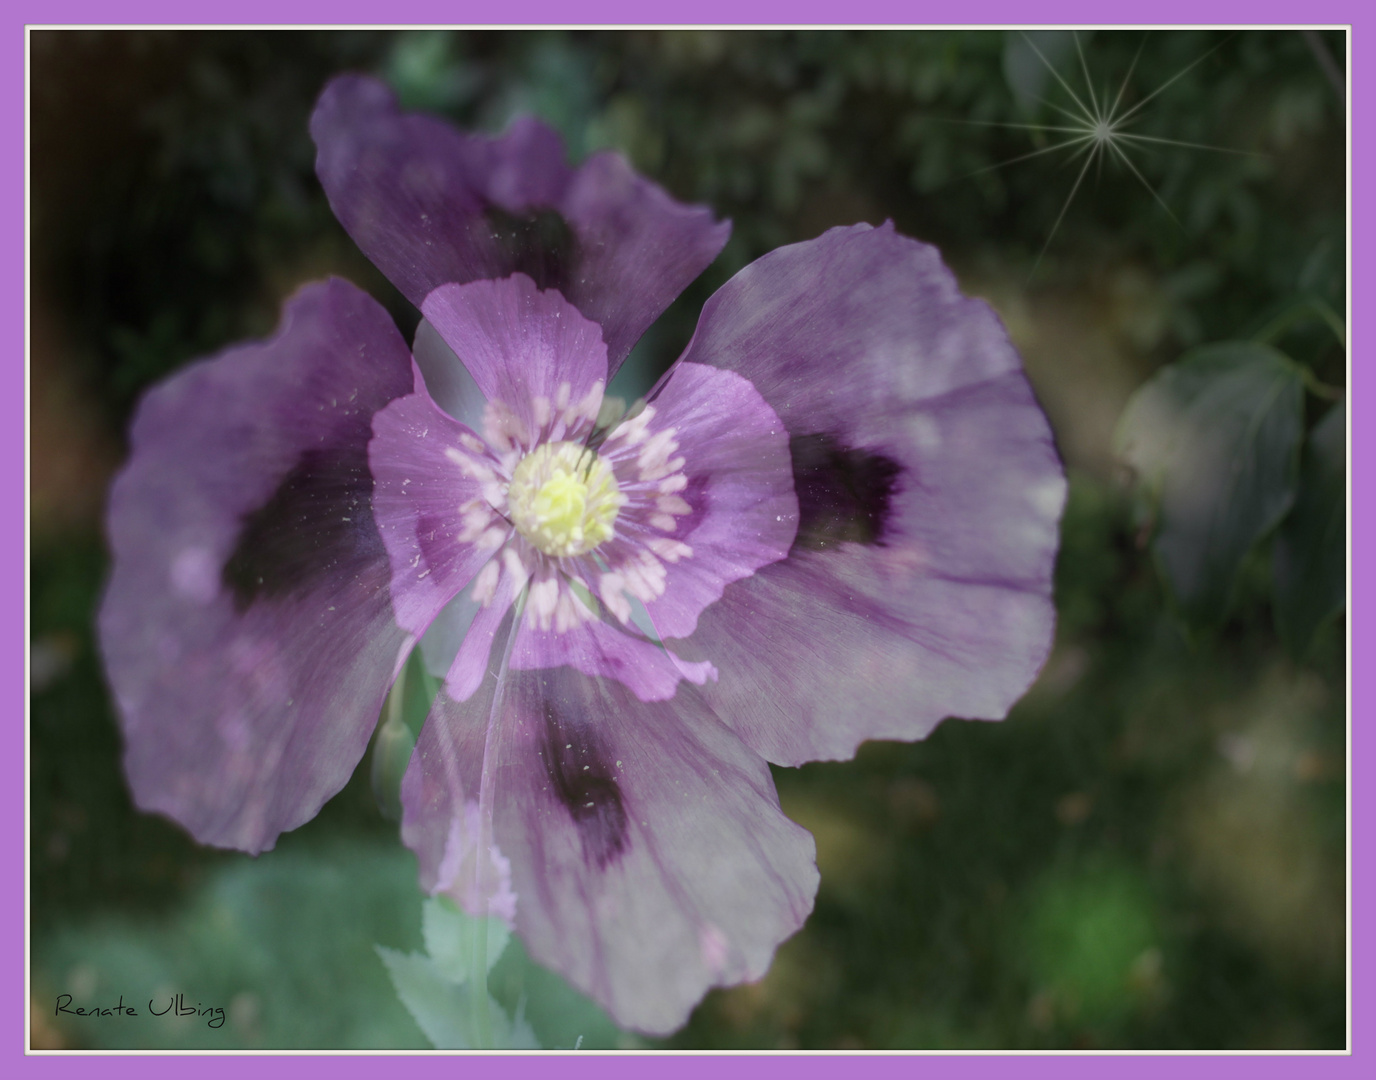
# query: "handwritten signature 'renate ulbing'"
{"points": [[176, 1005]]}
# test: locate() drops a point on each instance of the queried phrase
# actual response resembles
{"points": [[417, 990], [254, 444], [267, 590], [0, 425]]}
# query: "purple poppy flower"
{"points": [[833, 519]]}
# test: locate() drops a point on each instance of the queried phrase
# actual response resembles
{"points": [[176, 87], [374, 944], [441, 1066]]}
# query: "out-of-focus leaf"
{"points": [[1310, 564], [282, 943], [1213, 440], [1090, 941], [425, 73], [1323, 272]]}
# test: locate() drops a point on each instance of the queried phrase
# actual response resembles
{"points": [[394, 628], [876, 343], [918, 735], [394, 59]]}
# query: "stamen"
{"points": [[564, 499]]}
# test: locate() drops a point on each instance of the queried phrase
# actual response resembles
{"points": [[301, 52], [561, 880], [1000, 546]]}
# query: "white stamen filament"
{"points": [[547, 498]]}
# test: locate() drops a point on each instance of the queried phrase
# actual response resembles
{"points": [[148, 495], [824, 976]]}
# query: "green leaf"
{"points": [[1090, 940], [439, 1007], [1214, 441], [438, 989], [443, 1009], [282, 943], [559, 1016], [451, 938], [1310, 554]]}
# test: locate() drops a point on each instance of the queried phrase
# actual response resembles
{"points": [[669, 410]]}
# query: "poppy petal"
{"points": [[247, 628]]}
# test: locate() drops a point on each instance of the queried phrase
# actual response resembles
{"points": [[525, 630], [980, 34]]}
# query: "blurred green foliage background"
{"points": [[1150, 852]]}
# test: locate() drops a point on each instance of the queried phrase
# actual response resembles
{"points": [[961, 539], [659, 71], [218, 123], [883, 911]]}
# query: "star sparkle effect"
{"points": [[1097, 129]]}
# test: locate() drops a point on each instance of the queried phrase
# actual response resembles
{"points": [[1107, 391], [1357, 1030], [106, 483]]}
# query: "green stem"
{"points": [[477, 955], [429, 686], [1307, 308], [392, 736], [1317, 388], [477, 985]]}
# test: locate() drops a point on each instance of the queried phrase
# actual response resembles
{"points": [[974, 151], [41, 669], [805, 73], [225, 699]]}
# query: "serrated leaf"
{"points": [[1310, 554], [452, 937], [1214, 442], [439, 1007], [443, 1010]]}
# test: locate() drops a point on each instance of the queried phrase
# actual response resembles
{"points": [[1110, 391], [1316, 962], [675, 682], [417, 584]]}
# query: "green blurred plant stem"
{"points": [[477, 980], [477, 970], [1308, 308]]}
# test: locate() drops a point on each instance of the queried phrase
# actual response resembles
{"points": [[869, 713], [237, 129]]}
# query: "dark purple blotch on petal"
{"points": [[318, 523], [247, 628], [582, 777], [844, 494], [432, 206], [684, 874], [929, 491], [539, 244]]}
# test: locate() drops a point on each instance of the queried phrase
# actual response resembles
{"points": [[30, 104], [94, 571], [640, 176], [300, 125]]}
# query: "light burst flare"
{"points": [[1097, 130]]}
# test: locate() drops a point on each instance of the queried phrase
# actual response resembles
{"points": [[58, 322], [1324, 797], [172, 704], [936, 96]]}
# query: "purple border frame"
{"points": [[804, 12]]}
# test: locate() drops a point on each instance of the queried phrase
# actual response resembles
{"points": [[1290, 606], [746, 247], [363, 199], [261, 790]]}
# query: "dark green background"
{"points": [[1148, 853]]}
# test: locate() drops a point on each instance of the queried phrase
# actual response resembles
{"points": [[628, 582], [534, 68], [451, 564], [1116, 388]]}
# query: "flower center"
{"points": [[563, 498]]}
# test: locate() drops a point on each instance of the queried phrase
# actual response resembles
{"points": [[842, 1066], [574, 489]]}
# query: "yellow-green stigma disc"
{"points": [[564, 499]]}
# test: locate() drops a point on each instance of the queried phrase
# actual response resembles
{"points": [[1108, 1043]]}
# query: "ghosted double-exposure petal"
{"points": [[431, 205], [639, 846], [929, 492], [247, 628]]}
